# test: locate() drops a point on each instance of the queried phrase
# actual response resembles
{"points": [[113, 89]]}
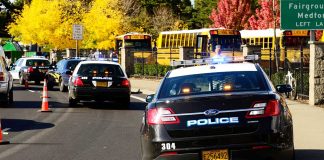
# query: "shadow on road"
{"points": [[114, 106], [34, 104], [305, 154], [18, 125]]}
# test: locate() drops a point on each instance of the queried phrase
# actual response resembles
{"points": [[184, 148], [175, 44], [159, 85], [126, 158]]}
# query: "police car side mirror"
{"points": [[283, 88], [149, 98]]}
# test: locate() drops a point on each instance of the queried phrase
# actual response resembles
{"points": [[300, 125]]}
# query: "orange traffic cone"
{"points": [[45, 99], [2, 141]]}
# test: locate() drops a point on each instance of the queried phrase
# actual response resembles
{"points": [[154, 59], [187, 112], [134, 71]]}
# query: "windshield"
{"points": [[296, 41], [138, 44], [212, 83], [227, 43], [37, 62], [100, 70]]}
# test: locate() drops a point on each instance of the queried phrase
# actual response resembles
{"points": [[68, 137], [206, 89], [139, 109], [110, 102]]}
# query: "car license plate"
{"points": [[101, 84], [221, 154]]}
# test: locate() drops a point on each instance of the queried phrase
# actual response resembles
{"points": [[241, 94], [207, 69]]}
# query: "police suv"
{"points": [[225, 110]]}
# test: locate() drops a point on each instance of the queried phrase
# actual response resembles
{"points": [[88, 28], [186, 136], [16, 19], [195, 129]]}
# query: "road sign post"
{"points": [[77, 35]]}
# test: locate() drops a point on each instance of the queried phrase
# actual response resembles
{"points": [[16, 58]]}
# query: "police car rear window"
{"points": [[37, 62], [220, 82], [72, 64], [100, 70]]}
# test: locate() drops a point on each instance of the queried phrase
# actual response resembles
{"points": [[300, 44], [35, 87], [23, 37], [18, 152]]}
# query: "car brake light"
{"points": [[125, 83], [160, 116], [30, 69], [1, 76], [270, 108], [260, 147], [169, 153], [78, 82]]}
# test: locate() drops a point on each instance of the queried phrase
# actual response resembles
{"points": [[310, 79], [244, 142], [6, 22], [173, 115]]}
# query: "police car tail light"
{"points": [[78, 82], [160, 116], [1, 76], [125, 83], [30, 69], [264, 109]]}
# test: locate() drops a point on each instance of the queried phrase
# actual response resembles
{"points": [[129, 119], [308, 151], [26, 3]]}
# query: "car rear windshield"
{"points": [[100, 70], [37, 62], [72, 64], [212, 83]]}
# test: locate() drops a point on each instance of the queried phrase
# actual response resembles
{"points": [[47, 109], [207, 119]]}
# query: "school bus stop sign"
{"points": [[302, 14]]}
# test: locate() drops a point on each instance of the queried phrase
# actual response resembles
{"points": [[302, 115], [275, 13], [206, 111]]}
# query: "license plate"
{"points": [[101, 84], [221, 154]]}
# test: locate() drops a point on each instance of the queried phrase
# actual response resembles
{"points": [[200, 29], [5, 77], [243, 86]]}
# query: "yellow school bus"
{"points": [[289, 40], [203, 43], [135, 43]]}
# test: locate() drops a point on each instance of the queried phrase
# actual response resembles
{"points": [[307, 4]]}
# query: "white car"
{"points": [[6, 85], [16, 68]]}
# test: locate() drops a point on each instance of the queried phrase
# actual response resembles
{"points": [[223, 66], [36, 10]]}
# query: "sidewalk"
{"points": [[146, 86]]}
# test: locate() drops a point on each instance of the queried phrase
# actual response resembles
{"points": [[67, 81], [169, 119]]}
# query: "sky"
{"points": [[192, 2]]}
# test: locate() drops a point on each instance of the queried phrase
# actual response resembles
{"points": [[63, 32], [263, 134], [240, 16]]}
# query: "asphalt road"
{"points": [[104, 131], [84, 132]]}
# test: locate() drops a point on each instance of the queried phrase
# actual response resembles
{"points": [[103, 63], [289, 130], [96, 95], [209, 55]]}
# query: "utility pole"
{"points": [[275, 35]]}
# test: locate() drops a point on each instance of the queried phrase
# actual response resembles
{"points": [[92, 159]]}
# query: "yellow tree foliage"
{"points": [[47, 23], [102, 24]]}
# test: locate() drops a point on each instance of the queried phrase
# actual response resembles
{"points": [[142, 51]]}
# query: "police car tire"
{"points": [[62, 87], [10, 98], [125, 103], [50, 86], [37, 82], [21, 80], [72, 102]]}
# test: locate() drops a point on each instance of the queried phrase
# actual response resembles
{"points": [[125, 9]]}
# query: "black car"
{"points": [[99, 81], [217, 112], [61, 74], [32, 69]]}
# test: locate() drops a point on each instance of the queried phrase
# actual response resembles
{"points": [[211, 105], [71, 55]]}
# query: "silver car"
{"points": [[6, 81]]}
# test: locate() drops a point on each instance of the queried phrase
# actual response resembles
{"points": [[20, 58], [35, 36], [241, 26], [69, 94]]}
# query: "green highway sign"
{"points": [[302, 14]]}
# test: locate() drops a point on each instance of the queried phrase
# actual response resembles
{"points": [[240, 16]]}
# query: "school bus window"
{"points": [[261, 42], [270, 42], [257, 41], [188, 40], [248, 41], [252, 41], [266, 42], [164, 40]]}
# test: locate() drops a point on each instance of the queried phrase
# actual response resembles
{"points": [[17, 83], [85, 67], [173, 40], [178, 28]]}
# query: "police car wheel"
{"points": [[10, 96], [62, 87], [21, 80], [125, 103], [72, 102], [37, 82]]}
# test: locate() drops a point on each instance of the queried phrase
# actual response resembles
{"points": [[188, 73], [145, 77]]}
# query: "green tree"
{"points": [[7, 10], [201, 13]]}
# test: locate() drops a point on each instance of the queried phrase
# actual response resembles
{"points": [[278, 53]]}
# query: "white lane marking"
{"points": [[138, 98], [31, 91], [4, 131]]}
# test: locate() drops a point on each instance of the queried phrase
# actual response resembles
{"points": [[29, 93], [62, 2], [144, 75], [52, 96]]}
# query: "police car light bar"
{"points": [[214, 60]]}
